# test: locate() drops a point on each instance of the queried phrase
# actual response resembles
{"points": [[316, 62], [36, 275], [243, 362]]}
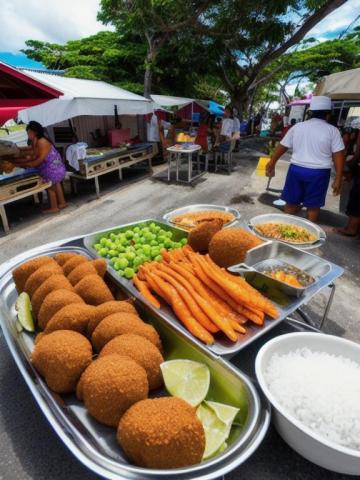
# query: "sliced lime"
{"points": [[186, 379], [23, 307], [18, 326], [226, 413], [216, 431]]}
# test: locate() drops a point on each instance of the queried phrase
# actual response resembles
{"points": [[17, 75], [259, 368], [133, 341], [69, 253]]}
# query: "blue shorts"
{"points": [[306, 186]]}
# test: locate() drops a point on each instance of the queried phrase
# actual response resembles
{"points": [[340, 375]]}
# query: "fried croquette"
{"points": [[62, 257], [55, 301], [119, 324], [71, 317], [23, 272], [230, 245], [60, 358], [110, 385], [200, 236], [55, 282], [93, 290], [162, 433], [39, 276], [88, 268], [108, 308], [142, 351], [72, 263]]}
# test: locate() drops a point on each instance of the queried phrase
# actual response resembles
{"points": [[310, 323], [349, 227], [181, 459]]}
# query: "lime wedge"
{"points": [[186, 379], [23, 307], [226, 413], [216, 431], [18, 326]]}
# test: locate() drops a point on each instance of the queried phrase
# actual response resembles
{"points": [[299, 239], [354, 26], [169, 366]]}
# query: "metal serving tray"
{"points": [[289, 219], [221, 346], [200, 207], [94, 444]]}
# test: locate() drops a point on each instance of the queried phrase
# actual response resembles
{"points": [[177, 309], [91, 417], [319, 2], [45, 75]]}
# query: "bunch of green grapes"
{"points": [[129, 249]]}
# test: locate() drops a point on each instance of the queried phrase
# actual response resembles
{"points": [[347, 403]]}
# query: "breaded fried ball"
{"points": [[119, 324], [110, 385], [62, 257], [200, 236], [55, 301], [71, 317], [162, 433], [79, 272], [55, 282], [22, 273], [100, 266], [60, 358], [40, 275], [108, 308], [229, 246], [93, 290], [142, 351], [72, 263]]}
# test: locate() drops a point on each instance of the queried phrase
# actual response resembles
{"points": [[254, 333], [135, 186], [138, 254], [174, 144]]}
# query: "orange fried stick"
{"points": [[144, 290], [181, 310], [191, 304], [210, 311], [238, 293]]}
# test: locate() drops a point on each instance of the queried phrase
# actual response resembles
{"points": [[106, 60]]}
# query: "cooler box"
{"points": [[118, 135]]}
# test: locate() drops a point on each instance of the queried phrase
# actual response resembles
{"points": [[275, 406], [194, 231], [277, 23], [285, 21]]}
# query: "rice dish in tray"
{"points": [[320, 390], [286, 232]]}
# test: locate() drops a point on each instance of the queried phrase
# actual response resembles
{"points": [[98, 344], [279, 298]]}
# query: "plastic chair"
{"points": [[223, 160]]}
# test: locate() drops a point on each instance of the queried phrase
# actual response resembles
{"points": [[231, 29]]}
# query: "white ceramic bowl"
{"points": [[302, 439]]}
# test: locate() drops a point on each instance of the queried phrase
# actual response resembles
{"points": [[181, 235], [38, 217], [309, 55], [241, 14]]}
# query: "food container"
{"points": [[306, 442], [222, 345], [275, 254], [94, 444], [199, 208], [291, 220]]}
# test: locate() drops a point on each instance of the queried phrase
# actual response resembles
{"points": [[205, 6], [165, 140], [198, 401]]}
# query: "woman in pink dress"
{"points": [[47, 160]]}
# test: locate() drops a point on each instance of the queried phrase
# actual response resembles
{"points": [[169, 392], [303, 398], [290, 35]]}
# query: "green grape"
{"points": [[152, 227], [158, 258], [120, 249], [129, 273], [97, 246], [136, 230], [143, 240], [146, 249], [112, 236], [139, 250], [161, 239], [183, 241], [129, 234], [161, 245], [122, 263], [168, 243], [108, 243], [169, 234], [155, 252], [130, 256], [103, 241], [177, 245], [153, 243], [112, 253], [121, 272], [103, 252], [113, 260], [136, 237]]}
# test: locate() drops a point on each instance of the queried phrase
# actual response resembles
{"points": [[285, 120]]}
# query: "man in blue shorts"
{"points": [[315, 145]]}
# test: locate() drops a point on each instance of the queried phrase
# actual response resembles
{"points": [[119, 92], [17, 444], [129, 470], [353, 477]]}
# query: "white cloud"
{"points": [[51, 20], [340, 19]]}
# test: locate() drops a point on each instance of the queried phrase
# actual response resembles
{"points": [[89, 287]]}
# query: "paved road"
{"points": [[29, 449]]}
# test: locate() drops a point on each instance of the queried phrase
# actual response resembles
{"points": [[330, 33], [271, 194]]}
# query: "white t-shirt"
{"points": [[227, 126], [313, 142], [236, 125], [153, 129]]}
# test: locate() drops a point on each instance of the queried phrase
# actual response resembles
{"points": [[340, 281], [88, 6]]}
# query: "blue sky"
{"points": [[59, 21]]}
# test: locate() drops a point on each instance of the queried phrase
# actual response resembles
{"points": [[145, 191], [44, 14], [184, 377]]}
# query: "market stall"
{"points": [[185, 298]]}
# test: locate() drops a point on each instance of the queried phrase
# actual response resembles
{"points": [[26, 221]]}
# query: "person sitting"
{"points": [[48, 162], [203, 132]]}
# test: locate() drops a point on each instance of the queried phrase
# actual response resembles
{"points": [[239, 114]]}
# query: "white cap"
{"points": [[320, 103]]}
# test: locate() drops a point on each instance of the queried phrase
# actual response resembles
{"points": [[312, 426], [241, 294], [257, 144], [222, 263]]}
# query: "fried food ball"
{"points": [[200, 236], [60, 358], [55, 282], [23, 272], [108, 308], [87, 268], [55, 301], [110, 385], [230, 245], [100, 266], [39, 276], [142, 351], [71, 317], [119, 324], [62, 257], [162, 433], [93, 290], [73, 262]]}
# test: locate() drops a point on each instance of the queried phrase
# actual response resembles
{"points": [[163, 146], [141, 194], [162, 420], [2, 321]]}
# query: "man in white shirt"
{"points": [[226, 131], [316, 145]]}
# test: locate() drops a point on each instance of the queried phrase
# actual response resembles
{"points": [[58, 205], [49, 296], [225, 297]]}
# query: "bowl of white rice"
{"points": [[312, 381]]}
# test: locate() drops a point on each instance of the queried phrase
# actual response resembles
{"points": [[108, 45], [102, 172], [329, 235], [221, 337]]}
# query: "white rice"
{"points": [[321, 390]]}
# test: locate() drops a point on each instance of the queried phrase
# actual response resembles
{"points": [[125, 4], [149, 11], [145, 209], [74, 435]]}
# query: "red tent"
{"points": [[18, 91]]}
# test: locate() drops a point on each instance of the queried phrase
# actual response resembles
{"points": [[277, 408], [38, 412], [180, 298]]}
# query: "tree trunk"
{"points": [[147, 79], [240, 100]]}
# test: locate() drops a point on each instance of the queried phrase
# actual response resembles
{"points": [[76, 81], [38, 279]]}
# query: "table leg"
{"points": [[4, 219], [169, 167], [328, 305], [198, 162], [97, 187], [189, 166], [178, 164], [120, 174]]}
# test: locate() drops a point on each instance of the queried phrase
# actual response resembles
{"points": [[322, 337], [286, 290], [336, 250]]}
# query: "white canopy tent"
{"points": [[170, 101], [81, 98], [341, 86]]}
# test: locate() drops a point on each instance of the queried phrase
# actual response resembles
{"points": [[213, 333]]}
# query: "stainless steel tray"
{"points": [[290, 219], [222, 345], [200, 207], [95, 445]]}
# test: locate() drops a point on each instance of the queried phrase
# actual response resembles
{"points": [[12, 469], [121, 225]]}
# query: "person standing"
{"points": [[316, 145], [224, 134]]}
